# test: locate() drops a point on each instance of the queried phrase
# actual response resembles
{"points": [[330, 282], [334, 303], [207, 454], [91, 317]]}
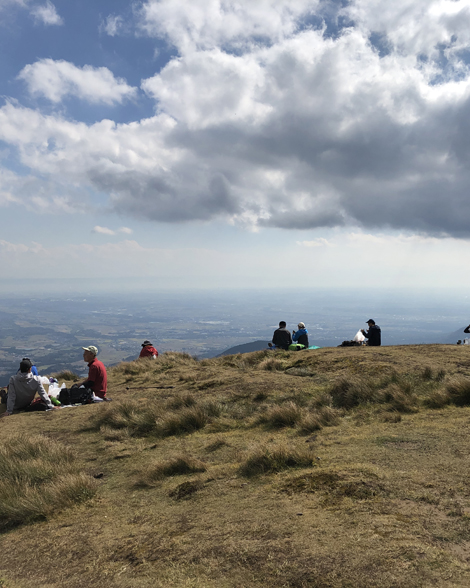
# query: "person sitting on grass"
{"points": [[373, 335], [148, 350], [97, 379], [281, 337], [301, 336], [22, 389]]}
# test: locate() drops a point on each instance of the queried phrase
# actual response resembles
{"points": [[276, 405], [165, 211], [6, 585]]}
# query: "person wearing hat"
{"points": [[301, 336], [148, 350], [373, 335], [22, 389], [97, 376]]}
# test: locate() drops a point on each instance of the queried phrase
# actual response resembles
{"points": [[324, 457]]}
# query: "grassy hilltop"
{"points": [[340, 467]]}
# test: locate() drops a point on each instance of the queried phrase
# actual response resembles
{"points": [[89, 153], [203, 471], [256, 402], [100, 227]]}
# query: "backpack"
{"points": [[76, 395]]}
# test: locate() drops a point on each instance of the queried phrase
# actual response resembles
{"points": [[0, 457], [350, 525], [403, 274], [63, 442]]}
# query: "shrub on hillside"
{"points": [[265, 460], [458, 391], [39, 476]]}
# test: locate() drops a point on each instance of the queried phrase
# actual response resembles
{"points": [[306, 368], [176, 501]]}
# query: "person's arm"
{"points": [[467, 329], [295, 335]]}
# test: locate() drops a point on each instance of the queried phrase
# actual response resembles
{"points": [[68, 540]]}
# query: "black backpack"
{"points": [[76, 395]]}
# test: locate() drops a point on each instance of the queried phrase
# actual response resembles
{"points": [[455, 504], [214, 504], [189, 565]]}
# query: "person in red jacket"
{"points": [[148, 350], [97, 377]]}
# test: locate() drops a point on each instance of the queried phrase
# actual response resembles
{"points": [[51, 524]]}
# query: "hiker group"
{"points": [[298, 340], [26, 383], [23, 386]]}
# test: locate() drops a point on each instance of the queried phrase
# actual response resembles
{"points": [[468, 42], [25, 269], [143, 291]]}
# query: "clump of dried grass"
{"points": [[317, 419], [177, 466], [39, 476], [138, 418], [272, 364], [458, 391], [400, 398], [437, 399], [350, 392], [266, 460], [280, 416], [181, 401]]}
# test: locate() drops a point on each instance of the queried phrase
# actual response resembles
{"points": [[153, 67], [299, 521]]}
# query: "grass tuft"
{"points": [[400, 398], [183, 401], [266, 460], [437, 399], [39, 476], [177, 466], [280, 416], [187, 420], [272, 364], [317, 419], [350, 392], [458, 391]]}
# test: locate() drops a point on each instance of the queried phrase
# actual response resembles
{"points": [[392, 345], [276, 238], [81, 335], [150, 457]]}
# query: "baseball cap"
{"points": [[91, 349]]}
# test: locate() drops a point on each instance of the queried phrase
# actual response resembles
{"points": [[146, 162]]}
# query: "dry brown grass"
{"points": [[39, 476], [373, 494]]}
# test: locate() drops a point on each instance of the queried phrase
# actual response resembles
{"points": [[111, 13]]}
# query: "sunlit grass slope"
{"points": [[338, 467]]}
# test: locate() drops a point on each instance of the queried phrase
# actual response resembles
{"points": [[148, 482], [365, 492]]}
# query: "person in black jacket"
{"points": [[282, 337], [373, 335]]}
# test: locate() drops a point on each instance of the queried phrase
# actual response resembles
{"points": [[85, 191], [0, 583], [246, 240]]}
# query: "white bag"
{"points": [[359, 337]]}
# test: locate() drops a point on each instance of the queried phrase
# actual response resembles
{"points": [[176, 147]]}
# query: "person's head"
{"points": [[371, 322], [282, 325], [301, 325], [25, 366], [89, 353], [146, 343]]}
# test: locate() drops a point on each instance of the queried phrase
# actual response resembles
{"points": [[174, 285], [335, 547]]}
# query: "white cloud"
{"points": [[103, 230], [47, 14], [206, 24], [56, 79], [113, 25], [318, 242], [106, 231], [292, 115]]}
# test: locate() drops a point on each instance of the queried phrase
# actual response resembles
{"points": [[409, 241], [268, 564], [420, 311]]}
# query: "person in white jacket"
{"points": [[22, 389]]}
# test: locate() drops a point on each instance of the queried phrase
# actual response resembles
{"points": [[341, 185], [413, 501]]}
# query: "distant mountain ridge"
{"points": [[245, 348]]}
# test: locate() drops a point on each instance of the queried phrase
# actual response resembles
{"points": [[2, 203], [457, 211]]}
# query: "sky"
{"points": [[236, 144]]}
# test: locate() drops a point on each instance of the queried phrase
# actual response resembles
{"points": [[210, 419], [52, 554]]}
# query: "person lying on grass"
{"points": [[22, 389]]}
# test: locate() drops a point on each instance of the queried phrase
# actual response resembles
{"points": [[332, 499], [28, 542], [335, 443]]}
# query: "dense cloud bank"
{"points": [[321, 114]]}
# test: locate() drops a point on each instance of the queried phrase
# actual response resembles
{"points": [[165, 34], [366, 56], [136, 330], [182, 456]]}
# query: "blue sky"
{"points": [[235, 144]]}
